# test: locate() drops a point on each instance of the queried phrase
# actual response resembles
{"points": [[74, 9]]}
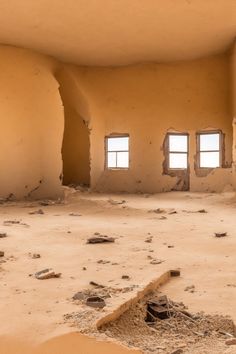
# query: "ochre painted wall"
{"points": [[145, 101], [32, 124], [149, 100]]}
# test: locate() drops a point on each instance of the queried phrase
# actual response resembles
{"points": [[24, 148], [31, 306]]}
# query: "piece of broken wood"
{"points": [[220, 234], [100, 239], [93, 283], [3, 235]]}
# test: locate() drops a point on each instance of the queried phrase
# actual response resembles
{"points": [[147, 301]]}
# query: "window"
{"points": [[178, 151], [117, 152], [209, 149]]}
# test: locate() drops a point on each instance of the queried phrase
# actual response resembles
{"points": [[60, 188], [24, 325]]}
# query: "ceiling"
{"points": [[119, 32]]}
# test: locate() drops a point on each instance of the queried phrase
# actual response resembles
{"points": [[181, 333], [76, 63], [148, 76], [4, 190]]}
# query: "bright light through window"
{"points": [[209, 150], [178, 151], [117, 152]]}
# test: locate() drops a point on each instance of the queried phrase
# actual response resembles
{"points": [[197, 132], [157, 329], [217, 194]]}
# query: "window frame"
{"points": [[220, 151], [107, 151], [177, 152]]}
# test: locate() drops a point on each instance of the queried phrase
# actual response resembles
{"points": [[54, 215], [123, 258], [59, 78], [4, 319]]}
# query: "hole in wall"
{"points": [[75, 150], [76, 138]]}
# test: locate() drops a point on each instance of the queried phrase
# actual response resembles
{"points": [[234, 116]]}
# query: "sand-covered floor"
{"points": [[33, 309]]}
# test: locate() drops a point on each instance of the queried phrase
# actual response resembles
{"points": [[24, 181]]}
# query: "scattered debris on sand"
{"points": [[98, 238], [163, 218], [74, 214], [37, 212], [9, 198], [220, 234], [102, 261], [201, 211], [169, 211], [116, 202], [99, 291], [175, 273], [3, 234], [158, 325], [156, 261], [11, 222], [48, 202], [99, 286], [96, 302], [14, 222], [34, 255], [47, 274], [149, 239], [157, 211], [190, 288]]}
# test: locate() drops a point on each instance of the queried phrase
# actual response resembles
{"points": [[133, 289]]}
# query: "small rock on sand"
{"points": [[3, 235], [2, 254]]}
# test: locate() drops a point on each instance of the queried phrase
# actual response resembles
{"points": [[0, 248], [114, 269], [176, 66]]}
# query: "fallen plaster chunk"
{"points": [[47, 274]]}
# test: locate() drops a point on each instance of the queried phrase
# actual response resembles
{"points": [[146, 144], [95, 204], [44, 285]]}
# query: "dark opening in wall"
{"points": [[75, 150], [76, 139]]}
